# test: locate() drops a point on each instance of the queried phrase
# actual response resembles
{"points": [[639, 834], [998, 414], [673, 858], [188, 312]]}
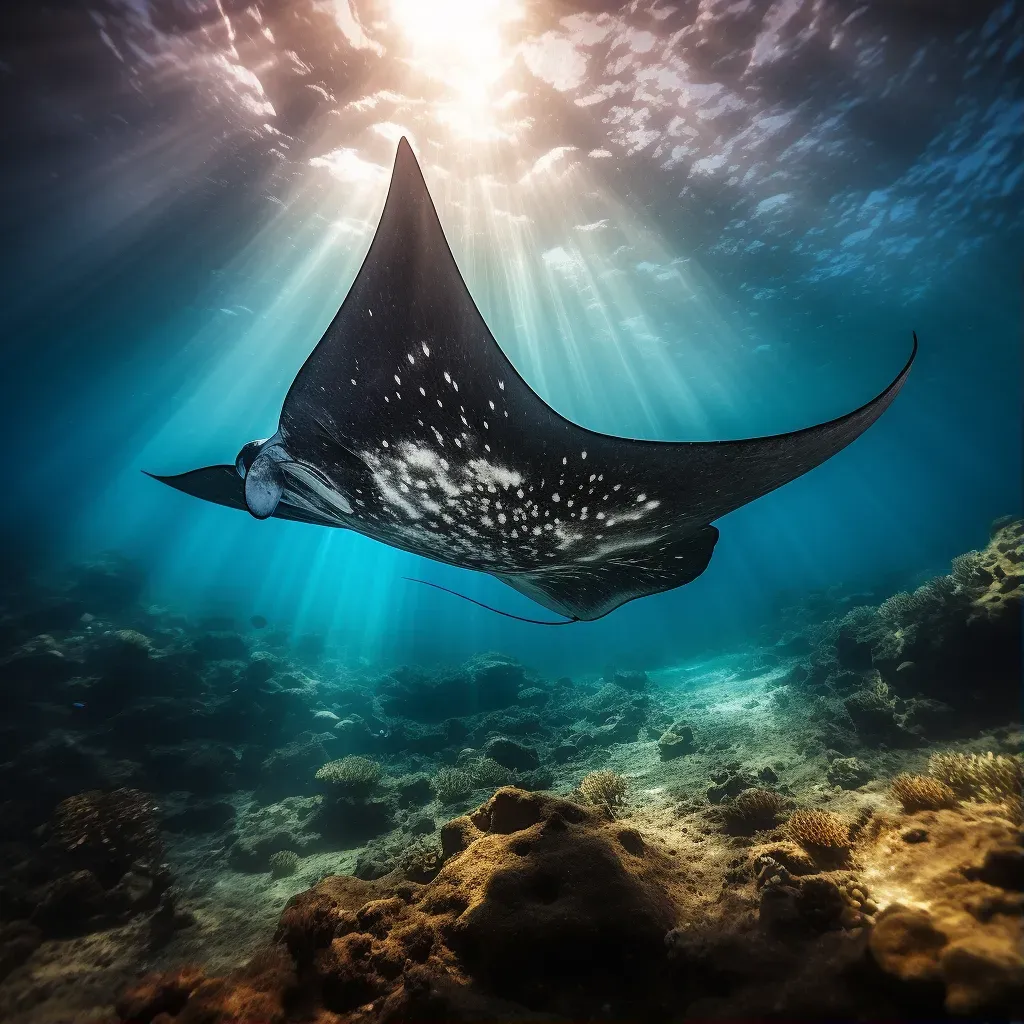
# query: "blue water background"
{"points": [[167, 273]]}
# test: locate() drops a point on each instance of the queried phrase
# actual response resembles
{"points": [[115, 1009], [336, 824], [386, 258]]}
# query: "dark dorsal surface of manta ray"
{"points": [[407, 423]]}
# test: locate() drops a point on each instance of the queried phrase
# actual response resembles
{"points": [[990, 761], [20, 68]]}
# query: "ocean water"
{"points": [[691, 220], [676, 228]]}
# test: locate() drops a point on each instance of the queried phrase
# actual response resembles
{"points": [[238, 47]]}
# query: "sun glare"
{"points": [[459, 42]]}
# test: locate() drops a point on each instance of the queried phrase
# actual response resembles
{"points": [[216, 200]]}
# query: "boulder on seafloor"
{"points": [[848, 772], [676, 741]]}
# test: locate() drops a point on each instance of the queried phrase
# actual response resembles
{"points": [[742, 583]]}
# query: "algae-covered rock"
{"points": [[676, 741], [848, 772], [512, 754], [287, 825]]}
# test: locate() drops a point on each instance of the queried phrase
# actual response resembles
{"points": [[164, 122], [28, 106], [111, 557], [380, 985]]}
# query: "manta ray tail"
{"points": [[497, 611]]}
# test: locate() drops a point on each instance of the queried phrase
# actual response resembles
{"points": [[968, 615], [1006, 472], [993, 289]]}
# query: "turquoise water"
{"points": [[676, 227]]}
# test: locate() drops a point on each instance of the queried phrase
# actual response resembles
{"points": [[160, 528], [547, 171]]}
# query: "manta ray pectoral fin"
{"points": [[588, 591], [222, 485], [219, 484]]}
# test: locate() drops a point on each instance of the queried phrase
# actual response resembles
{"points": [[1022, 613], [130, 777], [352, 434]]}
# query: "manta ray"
{"points": [[408, 424]]}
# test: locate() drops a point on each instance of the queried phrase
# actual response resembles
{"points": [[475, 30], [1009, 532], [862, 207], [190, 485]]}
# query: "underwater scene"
{"points": [[512, 511]]}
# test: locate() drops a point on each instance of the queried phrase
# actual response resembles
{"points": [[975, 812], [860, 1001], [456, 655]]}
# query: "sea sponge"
{"points": [[283, 863], [818, 830], [754, 810], [921, 793], [603, 788], [352, 775], [997, 778], [451, 784]]}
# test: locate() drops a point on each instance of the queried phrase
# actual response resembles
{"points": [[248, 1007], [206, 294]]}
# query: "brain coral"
{"points": [[920, 793], [354, 776]]}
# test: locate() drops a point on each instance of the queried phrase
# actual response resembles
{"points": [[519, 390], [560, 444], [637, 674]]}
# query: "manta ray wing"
{"points": [[409, 413], [223, 486]]}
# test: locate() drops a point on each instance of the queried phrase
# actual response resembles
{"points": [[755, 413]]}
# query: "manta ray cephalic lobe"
{"points": [[407, 423]]}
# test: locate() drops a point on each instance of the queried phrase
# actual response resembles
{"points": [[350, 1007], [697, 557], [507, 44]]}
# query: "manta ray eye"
{"points": [[247, 456]]}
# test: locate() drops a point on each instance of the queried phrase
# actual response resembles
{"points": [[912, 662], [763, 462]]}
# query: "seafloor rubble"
{"points": [[206, 823]]}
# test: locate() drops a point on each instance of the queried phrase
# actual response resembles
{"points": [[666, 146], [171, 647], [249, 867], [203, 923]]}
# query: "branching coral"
{"points": [[451, 784], [989, 777], [921, 793], [350, 776], [818, 830], [485, 771], [603, 788], [969, 573]]}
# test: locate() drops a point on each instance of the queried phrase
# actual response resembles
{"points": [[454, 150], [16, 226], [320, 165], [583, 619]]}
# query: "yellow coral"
{"points": [[607, 788], [352, 775], [818, 830], [988, 777], [920, 793]]}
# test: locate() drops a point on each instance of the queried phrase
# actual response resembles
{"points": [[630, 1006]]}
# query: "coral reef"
{"points": [[350, 776], [818, 832], [546, 907], [993, 777], [754, 810], [283, 863], [920, 793], [699, 896], [452, 784], [606, 789]]}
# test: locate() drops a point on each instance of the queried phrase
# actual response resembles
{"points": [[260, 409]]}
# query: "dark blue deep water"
{"points": [[691, 221]]}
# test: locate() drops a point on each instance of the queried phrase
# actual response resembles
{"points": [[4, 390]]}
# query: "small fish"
{"points": [[78, 704], [258, 622]]}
